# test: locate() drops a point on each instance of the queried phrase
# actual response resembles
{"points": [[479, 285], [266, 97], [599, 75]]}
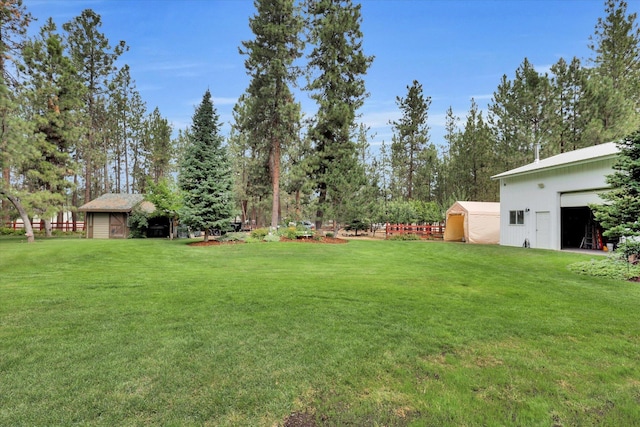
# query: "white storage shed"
{"points": [[473, 222], [545, 204]]}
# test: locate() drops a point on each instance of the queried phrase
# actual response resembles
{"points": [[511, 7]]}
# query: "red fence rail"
{"points": [[39, 225], [428, 231]]}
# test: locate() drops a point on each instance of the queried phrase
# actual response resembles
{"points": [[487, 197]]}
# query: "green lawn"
{"points": [[152, 332]]}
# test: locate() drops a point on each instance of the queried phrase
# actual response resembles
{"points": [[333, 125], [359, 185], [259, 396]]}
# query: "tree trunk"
{"points": [[47, 227], [87, 181], [28, 229], [171, 228], [322, 197], [206, 235], [244, 204], [5, 216], [274, 162], [298, 209]]}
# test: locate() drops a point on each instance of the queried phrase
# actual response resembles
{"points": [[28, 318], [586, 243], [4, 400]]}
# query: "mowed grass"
{"points": [[152, 332]]}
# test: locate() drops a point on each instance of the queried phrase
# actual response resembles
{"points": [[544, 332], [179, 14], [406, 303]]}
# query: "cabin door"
{"points": [[117, 225]]}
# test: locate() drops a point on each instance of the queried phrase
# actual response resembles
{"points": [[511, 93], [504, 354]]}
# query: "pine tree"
{"points": [[14, 147], [473, 159], [205, 174], [411, 136], [337, 62], [447, 189], [95, 59], [520, 116], [571, 111], [296, 182], [55, 100], [616, 44], [273, 114], [614, 83], [363, 205], [619, 217], [127, 119], [252, 186], [160, 146]]}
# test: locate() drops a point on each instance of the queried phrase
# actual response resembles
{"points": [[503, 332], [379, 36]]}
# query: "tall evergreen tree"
{"points": [[613, 90], [205, 174], [95, 59], [160, 146], [411, 136], [54, 101], [127, 113], [296, 182], [363, 205], [14, 148], [616, 44], [447, 189], [250, 168], [473, 158], [569, 106], [520, 115], [619, 217], [337, 63], [273, 114]]}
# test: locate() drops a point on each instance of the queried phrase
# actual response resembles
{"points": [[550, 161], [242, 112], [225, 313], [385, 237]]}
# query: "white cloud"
{"points": [[482, 97], [224, 100], [543, 69], [380, 119], [183, 67]]}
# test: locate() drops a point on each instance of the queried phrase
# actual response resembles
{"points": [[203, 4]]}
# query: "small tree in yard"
{"points": [[621, 216], [205, 174], [166, 198]]}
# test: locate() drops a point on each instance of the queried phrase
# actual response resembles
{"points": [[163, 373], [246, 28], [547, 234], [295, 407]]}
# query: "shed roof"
{"points": [[476, 207], [115, 202], [583, 155]]}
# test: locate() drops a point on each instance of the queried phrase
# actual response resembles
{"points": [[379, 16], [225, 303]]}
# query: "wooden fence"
{"points": [[424, 231], [39, 225]]}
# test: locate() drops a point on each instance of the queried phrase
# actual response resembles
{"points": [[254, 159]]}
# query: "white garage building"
{"points": [[545, 204]]}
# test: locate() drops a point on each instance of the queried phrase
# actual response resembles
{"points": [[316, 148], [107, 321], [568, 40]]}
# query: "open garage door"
{"points": [[579, 227]]}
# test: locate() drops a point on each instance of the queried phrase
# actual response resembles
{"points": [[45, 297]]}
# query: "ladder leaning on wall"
{"points": [[587, 240]]}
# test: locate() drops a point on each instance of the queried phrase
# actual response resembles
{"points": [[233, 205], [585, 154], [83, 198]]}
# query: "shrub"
{"points": [[6, 231], [260, 233], [357, 225], [233, 237], [329, 234], [611, 267], [630, 248], [408, 236], [138, 224], [290, 233], [271, 238]]}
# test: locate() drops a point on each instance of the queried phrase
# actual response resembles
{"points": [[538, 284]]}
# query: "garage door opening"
{"points": [[580, 230]]}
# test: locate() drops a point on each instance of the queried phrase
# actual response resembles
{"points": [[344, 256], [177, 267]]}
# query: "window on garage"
{"points": [[516, 217]]}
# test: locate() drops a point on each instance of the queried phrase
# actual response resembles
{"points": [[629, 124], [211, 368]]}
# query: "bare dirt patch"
{"points": [[300, 419]]}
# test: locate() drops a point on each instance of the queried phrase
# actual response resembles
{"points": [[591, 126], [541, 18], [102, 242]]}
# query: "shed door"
{"points": [[117, 225], [100, 225], [543, 230]]}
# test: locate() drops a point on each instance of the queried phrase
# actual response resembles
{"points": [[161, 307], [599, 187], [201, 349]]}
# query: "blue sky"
{"points": [[456, 49]]}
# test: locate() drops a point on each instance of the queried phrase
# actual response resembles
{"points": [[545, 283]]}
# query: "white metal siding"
{"points": [[541, 191], [581, 198]]}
